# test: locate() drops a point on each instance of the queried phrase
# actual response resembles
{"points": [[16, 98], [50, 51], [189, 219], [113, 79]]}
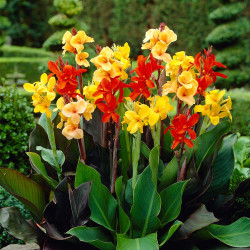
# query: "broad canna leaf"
{"points": [[95, 236], [47, 156], [171, 198], [25, 190], [223, 167], [17, 226], [146, 205], [147, 242], [205, 143], [236, 234], [169, 174], [201, 218], [36, 161], [101, 203], [154, 163], [169, 232], [123, 222]]}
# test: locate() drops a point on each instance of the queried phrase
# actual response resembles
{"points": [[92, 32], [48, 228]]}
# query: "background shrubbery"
{"points": [[16, 123]]}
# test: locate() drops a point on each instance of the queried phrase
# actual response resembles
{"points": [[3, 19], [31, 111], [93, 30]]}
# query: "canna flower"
{"points": [[159, 52], [66, 77], [59, 106], [158, 40], [215, 107], [122, 54], [204, 65], [179, 128], [72, 130], [81, 59], [160, 106], [66, 41], [73, 110], [78, 41], [109, 109], [88, 92], [142, 82], [43, 94], [137, 118], [188, 88]]}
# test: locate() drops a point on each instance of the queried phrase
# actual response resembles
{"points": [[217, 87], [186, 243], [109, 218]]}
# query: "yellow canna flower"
{"points": [[72, 130], [81, 59], [161, 106], [186, 80], [187, 95], [122, 54], [79, 40], [169, 87], [66, 41], [215, 107], [159, 52], [88, 92], [43, 93], [136, 118], [104, 60]]}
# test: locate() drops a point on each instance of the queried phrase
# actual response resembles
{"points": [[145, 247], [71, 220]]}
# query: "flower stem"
{"points": [[114, 167], [136, 149], [52, 142]]}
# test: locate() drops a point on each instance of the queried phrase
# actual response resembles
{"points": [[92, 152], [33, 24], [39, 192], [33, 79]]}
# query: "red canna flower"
{"points": [[66, 77], [109, 109], [179, 128], [142, 81], [204, 65]]}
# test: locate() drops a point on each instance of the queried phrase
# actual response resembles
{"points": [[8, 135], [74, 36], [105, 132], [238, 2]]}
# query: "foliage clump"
{"points": [[16, 122]]}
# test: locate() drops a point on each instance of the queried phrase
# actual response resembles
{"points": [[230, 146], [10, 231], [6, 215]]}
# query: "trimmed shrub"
{"points": [[226, 12], [61, 20], [233, 56], [240, 110], [16, 123], [27, 66], [69, 7], [235, 78], [18, 51], [229, 32]]}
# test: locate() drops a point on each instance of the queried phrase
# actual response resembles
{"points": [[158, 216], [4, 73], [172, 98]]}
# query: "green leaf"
{"points": [[171, 202], [95, 236], [101, 203], [47, 156], [145, 150], [25, 190], [223, 166], [242, 149], [170, 231], [146, 205], [144, 243], [169, 174], [236, 234], [14, 222], [154, 163], [123, 222], [36, 161], [205, 143], [197, 220]]}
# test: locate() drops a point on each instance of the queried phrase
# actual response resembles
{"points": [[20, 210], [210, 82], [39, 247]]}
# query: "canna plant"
{"points": [[136, 159]]}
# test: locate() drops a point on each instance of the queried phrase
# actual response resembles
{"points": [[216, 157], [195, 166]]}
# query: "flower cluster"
{"points": [[142, 82], [215, 107], [158, 40], [181, 124], [111, 63], [74, 43], [43, 94], [139, 115]]}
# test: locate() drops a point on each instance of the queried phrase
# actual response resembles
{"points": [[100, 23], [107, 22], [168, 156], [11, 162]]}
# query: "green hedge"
{"points": [[31, 67], [235, 78], [228, 32], [232, 56], [61, 20], [240, 110], [18, 51], [69, 7], [226, 12]]}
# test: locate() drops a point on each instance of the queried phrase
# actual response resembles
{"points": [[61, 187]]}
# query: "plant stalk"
{"points": [[136, 150], [114, 167], [52, 142]]}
